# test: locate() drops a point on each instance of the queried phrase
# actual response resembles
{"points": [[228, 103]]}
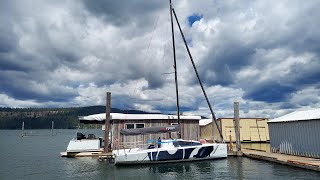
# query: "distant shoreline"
{"points": [[41, 118]]}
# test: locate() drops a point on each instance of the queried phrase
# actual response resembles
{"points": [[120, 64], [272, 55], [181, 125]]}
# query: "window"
{"points": [[129, 126], [134, 126], [186, 143], [139, 125]]}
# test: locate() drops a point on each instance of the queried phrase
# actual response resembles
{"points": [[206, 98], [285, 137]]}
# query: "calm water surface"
{"points": [[37, 157]]}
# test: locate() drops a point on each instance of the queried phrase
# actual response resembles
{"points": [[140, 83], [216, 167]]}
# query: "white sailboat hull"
{"points": [[84, 145], [172, 154]]}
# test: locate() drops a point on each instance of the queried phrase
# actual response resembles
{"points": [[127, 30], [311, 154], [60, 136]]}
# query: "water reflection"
{"points": [[77, 167], [173, 168], [235, 167], [185, 170]]}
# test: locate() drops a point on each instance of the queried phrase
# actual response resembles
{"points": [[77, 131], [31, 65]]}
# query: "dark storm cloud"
{"points": [[36, 46], [220, 65], [122, 101], [7, 64], [269, 92], [122, 13], [27, 57], [8, 44], [7, 41], [18, 86], [154, 79], [305, 75], [280, 89]]}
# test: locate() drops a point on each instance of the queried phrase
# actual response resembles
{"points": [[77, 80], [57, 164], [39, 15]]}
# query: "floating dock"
{"points": [[102, 156], [296, 161], [84, 154]]}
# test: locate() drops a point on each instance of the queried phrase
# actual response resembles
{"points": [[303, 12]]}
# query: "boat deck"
{"points": [[296, 161]]}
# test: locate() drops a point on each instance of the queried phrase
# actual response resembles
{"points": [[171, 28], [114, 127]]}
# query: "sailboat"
{"points": [[171, 150]]}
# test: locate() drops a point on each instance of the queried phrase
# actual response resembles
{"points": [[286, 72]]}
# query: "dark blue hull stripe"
{"points": [[178, 155]]}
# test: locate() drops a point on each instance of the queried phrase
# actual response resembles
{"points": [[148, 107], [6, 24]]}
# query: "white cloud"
{"points": [[5, 100]]}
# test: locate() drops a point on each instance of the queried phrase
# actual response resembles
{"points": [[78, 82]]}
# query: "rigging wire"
{"points": [[146, 53], [135, 91]]}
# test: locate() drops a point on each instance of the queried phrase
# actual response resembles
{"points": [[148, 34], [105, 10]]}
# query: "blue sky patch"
{"points": [[193, 18]]}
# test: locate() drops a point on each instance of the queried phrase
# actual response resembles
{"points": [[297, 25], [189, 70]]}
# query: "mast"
{"points": [[107, 123], [175, 68], [195, 69]]}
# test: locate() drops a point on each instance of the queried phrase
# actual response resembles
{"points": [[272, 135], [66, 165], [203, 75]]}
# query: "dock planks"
{"points": [[296, 161]]}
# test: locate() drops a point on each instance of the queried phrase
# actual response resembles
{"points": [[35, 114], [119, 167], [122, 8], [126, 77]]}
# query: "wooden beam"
{"points": [[237, 126], [107, 123]]}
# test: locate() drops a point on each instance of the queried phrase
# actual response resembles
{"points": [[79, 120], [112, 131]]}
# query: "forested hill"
{"points": [[41, 118]]}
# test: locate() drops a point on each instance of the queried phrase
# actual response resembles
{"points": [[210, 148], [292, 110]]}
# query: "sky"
{"points": [[69, 53]]}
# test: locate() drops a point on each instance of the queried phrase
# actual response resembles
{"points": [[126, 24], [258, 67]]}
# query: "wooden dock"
{"points": [[235, 153], [85, 154], [100, 155], [296, 161]]}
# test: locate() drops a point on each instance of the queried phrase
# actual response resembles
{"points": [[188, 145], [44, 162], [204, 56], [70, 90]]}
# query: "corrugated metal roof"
{"points": [[102, 116], [299, 116]]}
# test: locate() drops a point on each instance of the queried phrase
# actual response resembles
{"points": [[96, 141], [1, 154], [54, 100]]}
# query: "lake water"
{"points": [[38, 157]]}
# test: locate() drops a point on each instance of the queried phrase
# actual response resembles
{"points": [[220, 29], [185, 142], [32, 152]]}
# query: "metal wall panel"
{"points": [[296, 137]]}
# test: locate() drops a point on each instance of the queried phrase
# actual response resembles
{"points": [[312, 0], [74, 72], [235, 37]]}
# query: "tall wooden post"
{"points": [[237, 126], [107, 123]]}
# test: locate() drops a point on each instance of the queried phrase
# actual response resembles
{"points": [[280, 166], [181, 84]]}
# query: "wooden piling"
{"points": [[22, 129], [237, 126], [52, 127], [107, 123]]}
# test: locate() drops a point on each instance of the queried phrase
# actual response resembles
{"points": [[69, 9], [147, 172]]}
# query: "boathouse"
{"points": [[251, 129], [189, 126], [296, 133]]}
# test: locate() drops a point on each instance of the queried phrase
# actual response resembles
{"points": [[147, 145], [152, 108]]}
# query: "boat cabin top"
{"points": [[171, 143]]}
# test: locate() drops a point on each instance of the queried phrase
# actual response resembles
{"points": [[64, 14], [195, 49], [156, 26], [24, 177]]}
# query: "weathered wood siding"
{"points": [[207, 134], [189, 130]]}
